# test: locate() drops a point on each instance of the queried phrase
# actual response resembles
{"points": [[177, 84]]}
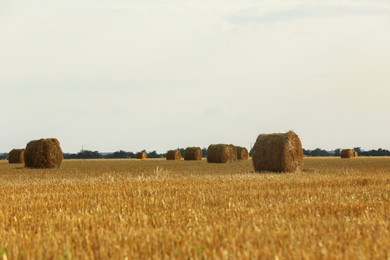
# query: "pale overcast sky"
{"points": [[156, 75]]}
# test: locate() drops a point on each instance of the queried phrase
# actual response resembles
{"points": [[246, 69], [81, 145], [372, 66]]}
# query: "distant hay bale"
{"points": [[347, 153], [16, 156], [142, 155], [221, 153], [355, 154], [193, 154], [173, 155], [279, 152], [43, 153], [242, 153]]}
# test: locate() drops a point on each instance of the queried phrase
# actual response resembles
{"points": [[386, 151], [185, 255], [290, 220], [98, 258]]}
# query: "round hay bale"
{"points": [[142, 155], [173, 155], [242, 153], [347, 153], [16, 156], [43, 153], [280, 152], [193, 154], [221, 153], [355, 154]]}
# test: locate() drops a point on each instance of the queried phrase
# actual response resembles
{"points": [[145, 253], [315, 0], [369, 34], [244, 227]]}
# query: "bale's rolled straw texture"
{"points": [[347, 153], [173, 155], [43, 153], [16, 156], [193, 154], [242, 153], [281, 152], [221, 153], [142, 155]]}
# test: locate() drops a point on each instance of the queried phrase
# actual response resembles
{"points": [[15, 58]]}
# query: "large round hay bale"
{"points": [[173, 155], [347, 153], [142, 155], [280, 152], [221, 153], [43, 153], [242, 153], [193, 154], [16, 156]]}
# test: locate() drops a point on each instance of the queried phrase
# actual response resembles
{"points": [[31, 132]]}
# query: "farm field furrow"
{"points": [[334, 208]]}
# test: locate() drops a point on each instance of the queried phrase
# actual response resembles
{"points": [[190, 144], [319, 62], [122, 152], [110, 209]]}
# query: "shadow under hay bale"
{"points": [[347, 153], [142, 155], [221, 153], [242, 153], [193, 154], [43, 153], [16, 156], [173, 155], [279, 152]]}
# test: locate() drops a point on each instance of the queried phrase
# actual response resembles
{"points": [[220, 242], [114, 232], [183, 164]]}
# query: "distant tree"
{"points": [[86, 154], [379, 152], [319, 152], [131, 155], [3, 156], [154, 154], [316, 152], [118, 154], [204, 152], [69, 156], [337, 152], [182, 150]]}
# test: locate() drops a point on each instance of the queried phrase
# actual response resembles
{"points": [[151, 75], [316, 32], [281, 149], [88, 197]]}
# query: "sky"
{"points": [[156, 75]]}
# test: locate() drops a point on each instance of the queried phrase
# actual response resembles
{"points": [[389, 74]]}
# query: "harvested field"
{"points": [[175, 209]]}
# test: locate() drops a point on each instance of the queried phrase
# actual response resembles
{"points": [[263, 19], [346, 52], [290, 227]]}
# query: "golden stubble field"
{"points": [[338, 209]]}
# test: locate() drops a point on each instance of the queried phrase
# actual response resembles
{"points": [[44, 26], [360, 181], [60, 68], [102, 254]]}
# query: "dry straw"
{"points": [[221, 153], [242, 153], [193, 154], [347, 153], [173, 155], [142, 155], [43, 153], [280, 152], [16, 156], [355, 154]]}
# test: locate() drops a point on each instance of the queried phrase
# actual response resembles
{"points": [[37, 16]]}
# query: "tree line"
{"points": [[336, 152], [86, 154]]}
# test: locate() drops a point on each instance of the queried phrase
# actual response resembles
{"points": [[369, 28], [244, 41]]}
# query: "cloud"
{"points": [[142, 8], [188, 7], [272, 13], [235, 15]]}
